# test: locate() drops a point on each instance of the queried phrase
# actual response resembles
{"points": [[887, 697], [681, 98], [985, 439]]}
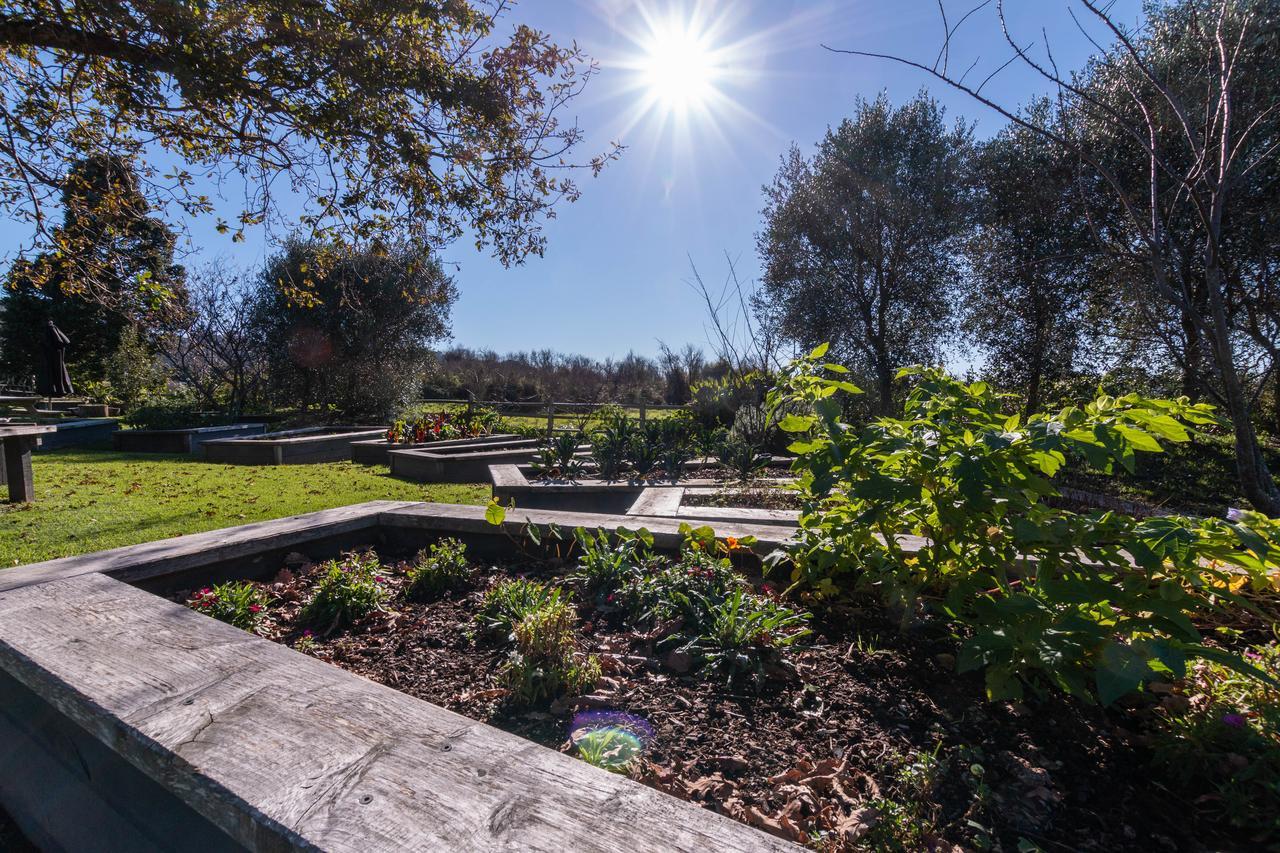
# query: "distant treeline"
{"points": [[545, 375]]}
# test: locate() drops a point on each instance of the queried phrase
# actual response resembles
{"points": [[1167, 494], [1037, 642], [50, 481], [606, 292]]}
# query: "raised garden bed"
{"points": [[756, 504], [291, 447], [143, 718], [80, 433], [374, 451], [519, 483], [469, 464], [146, 721], [178, 440]]}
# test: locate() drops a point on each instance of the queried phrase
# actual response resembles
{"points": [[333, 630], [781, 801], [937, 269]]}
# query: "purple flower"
{"points": [[1236, 721], [1252, 655], [1234, 514]]}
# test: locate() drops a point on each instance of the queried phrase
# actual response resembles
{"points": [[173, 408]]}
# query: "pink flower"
{"points": [[1236, 721], [378, 579], [254, 608]]}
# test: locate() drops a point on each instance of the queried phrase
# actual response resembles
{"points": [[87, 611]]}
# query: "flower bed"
{"points": [[855, 736]]}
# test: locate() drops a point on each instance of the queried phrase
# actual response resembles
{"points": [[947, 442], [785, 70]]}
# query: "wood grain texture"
{"points": [[461, 519], [137, 562], [660, 502], [285, 752]]}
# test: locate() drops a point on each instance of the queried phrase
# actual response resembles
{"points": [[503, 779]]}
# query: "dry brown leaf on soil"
{"points": [[854, 826]]}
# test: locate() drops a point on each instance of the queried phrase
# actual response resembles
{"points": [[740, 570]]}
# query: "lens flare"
{"points": [[612, 740]]}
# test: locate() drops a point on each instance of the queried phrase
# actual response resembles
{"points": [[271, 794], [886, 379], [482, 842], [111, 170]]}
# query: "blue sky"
{"points": [[688, 187]]}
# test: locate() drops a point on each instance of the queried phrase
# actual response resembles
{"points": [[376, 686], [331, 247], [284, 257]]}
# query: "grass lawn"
{"points": [[87, 500]]}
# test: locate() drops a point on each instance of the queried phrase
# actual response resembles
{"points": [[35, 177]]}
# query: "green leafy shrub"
{"points": [[238, 603], [545, 663], [1091, 604], [349, 589], [557, 456], [744, 631], [172, 411], [607, 568], [440, 569], [741, 457], [609, 445], [506, 603], [685, 590]]}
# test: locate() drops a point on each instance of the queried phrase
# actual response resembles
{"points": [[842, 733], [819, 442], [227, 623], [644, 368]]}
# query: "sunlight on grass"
{"points": [[88, 500]]}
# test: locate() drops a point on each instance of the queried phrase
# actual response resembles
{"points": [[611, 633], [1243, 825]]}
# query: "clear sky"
{"points": [[706, 96]]}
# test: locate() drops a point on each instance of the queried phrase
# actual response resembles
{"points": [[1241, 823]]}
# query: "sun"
{"points": [[679, 66]]}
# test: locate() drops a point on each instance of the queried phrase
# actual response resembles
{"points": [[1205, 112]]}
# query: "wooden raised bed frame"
{"points": [[620, 497], [177, 440], [291, 447], [147, 722], [374, 451], [462, 465]]}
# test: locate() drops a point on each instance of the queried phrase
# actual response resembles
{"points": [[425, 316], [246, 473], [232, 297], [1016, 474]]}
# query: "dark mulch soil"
{"points": [[751, 495], [843, 747]]}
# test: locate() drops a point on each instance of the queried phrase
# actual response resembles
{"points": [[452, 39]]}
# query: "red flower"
{"points": [[254, 608]]}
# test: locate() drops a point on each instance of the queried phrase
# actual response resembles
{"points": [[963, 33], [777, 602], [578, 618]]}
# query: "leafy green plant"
{"points": [[238, 603], [506, 603], [610, 748], [643, 453], [545, 663], [744, 631], [741, 457], [609, 564], [1091, 604], [683, 590], [1218, 741], [609, 446], [349, 589], [558, 456], [440, 569]]}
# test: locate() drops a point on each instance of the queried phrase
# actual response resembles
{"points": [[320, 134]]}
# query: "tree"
{"points": [[1177, 124], [390, 116], [106, 225], [363, 348], [859, 241], [218, 350], [1024, 297]]}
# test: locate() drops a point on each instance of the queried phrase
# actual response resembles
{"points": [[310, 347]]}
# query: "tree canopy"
{"points": [[392, 117], [859, 241], [106, 226]]}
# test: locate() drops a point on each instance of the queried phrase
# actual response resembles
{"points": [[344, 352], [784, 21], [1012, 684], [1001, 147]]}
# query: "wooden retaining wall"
{"points": [[163, 729]]}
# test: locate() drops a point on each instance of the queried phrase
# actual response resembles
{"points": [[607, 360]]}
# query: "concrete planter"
{"points": [[374, 451], [291, 447], [152, 727], [80, 433], [460, 465], [178, 440]]}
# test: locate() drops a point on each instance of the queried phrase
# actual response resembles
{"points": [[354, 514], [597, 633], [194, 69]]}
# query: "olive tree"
{"points": [[859, 242]]}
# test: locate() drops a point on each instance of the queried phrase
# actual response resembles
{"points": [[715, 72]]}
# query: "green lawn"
{"points": [[87, 500]]}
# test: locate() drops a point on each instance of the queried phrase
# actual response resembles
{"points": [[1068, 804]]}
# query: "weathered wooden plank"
{"points": [[462, 519], [738, 513], [17, 466], [134, 563], [664, 502], [10, 430], [281, 750]]}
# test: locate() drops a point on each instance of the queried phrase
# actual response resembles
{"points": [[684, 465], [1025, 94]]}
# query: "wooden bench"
{"points": [[26, 403]]}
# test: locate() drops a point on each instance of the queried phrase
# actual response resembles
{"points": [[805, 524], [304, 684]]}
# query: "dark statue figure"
{"points": [[54, 379]]}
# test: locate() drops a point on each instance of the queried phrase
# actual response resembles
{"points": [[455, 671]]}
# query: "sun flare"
{"points": [[679, 66]]}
